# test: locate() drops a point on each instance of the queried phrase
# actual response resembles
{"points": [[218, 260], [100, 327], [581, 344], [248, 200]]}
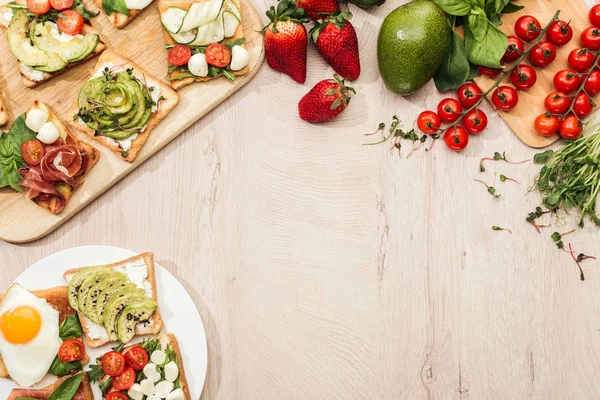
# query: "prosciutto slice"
{"points": [[36, 187], [40, 394], [62, 163]]}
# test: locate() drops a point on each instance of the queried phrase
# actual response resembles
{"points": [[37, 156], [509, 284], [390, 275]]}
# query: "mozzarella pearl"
{"points": [[163, 389], [198, 65], [135, 392], [171, 371], [147, 387], [151, 372], [239, 58], [48, 133], [36, 118], [158, 357], [176, 394]]}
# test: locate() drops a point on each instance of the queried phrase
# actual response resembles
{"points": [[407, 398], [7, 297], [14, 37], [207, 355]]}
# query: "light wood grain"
{"points": [[143, 43], [324, 269], [531, 101]]}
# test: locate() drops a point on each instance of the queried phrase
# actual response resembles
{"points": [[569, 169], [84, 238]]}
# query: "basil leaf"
{"points": [[10, 153], [455, 7], [478, 24], [67, 389], [455, 69], [70, 328], [511, 8], [473, 72], [95, 373], [490, 50], [61, 368], [119, 6]]}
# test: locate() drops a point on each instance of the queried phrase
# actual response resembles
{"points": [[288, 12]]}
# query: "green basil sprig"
{"points": [[10, 153], [115, 5]]}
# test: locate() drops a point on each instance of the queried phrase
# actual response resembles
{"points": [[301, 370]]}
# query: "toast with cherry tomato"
{"points": [[47, 162], [205, 40], [83, 391], [49, 37], [3, 111], [72, 349]]}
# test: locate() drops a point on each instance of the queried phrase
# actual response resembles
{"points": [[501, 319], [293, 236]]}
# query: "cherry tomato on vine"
{"points": [[505, 98], [583, 105], [514, 50], [592, 85], [528, 28], [566, 81], [542, 54], [523, 77], [546, 125], [559, 32], [594, 15], [429, 122], [590, 38], [570, 127], [449, 110], [581, 60], [491, 72], [557, 103], [469, 94], [475, 121], [456, 138]]}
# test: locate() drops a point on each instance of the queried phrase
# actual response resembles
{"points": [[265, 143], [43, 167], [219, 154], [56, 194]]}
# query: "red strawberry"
{"points": [[336, 40], [315, 7], [285, 40], [325, 101]]}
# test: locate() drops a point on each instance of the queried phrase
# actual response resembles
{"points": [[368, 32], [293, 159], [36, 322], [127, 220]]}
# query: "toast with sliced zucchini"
{"points": [[120, 105], [122, 12], [51, 43], [3, 111], [205, 40]]}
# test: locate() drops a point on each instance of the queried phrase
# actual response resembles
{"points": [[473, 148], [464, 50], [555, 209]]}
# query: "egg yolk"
{"points": [[20, 325]]}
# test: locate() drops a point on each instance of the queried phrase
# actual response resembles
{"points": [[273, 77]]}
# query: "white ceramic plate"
{"points": [[177, 309]]}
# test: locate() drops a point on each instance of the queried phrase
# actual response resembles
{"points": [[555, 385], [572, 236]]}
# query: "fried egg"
{"points": [[29, 338]]}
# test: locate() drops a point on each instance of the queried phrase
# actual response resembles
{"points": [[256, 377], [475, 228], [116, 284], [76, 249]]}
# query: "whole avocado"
{"points": [[412, 44], [366, 3]]}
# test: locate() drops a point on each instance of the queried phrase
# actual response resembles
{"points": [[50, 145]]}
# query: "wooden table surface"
{"points": [[326, 269]]}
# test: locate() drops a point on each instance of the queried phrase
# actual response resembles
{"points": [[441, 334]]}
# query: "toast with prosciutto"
{"points": [[76, 387], [44, 160]]}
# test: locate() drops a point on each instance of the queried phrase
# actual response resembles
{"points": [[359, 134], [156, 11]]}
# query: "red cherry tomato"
{"points": [[559, 32], [570, 127], [566, 81], [429, 122], [449, 110], [528, 28], [475, 121], [514, 50], [125, 380], [491, 72], [32, 151], [546, 125], [594, 15], [583, 105], [38, 7], [523, 77], [71, 350], [179, 55], [542, 54], [505, 98], [557, 102], [590, 38], [581, 60], [136, 357], [70, 22], [218, 55], [61, 4], [469, 94], [117, 396], [592, 85], [113, 363], [456, 138]]}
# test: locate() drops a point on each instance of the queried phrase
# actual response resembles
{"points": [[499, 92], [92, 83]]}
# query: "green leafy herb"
{"points": [[498, 157], [106, 384], [533, 216], [61, 368], [150, 345], [119, 348], [491, 190], [455, 69], [497, 228], [10, 153], [504, 178], [115, 5], [95, 373], [489, 50], [67, 389], [70, 328]]}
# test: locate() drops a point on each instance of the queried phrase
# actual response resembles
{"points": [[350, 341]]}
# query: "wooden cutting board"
{"points": [[142, 42], [531, 102]]}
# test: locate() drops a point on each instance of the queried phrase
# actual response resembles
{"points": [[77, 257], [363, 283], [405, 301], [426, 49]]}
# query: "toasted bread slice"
{"points": [[176, 82], [84, 392], [57, 298], [45, 76], [156, 322], [3, 111], [170, 101], [119, 20]]}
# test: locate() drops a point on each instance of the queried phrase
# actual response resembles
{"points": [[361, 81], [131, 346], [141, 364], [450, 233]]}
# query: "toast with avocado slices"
{"points": [[205, 40], [122, 12], [84, 391], [57, 299], [120, 105], [3, 111], [48, 51], [116, 302], [49, 162]]}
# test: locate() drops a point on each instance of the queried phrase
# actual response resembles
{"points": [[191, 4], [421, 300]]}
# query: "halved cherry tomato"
{"points": [[117, 396], [581, 60], [542, 54], [528, 28], [590, 38], [218, 55], [583, 105], [469, 94], [523, 77], [38, 7], [570, 127], [592, 85], [113, 363], [125, 380], [70, 22], [514, 50], [505, 98], [475, 121], [566, 81], [180, 55], [71, 350], [449, 110], [560, 32], [136, 357], [594, 15], [557, 102], [61, 4], [456, 138], [491, 72], [32, 151], [429, 122], [546, 125]]}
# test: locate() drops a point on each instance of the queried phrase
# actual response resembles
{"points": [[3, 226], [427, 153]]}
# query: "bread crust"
{"points": [[171, 100], [83, 393], [3, 111], [119, 20], [157, 322]]}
